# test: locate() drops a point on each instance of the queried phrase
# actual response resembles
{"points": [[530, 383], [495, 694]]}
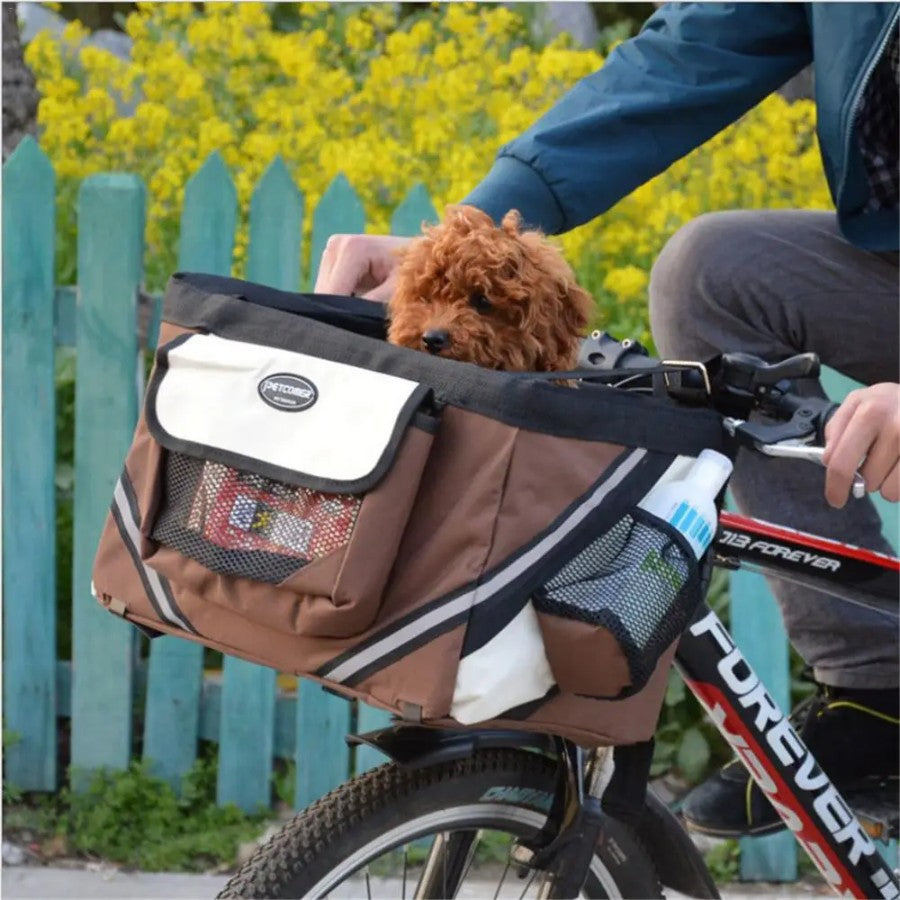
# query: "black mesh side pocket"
{"points": [[242, 524], [639, 581]]}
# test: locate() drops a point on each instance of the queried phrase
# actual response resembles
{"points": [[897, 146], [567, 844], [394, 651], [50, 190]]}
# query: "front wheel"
{"points": [[440, 831]]}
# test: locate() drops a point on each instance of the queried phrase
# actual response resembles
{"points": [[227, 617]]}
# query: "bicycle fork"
{"points": [[716, 672]]}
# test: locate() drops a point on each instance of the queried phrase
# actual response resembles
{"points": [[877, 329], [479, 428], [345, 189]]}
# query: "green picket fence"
{"points": [[240, 707]]}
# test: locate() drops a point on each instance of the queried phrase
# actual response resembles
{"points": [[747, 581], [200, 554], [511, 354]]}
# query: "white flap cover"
{"points": [[330, 423]]}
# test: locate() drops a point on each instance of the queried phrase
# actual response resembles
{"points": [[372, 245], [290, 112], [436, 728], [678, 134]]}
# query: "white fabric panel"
{"points": [[210, 396], [510, 669]]}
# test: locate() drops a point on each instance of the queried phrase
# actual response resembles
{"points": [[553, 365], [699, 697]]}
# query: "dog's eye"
{"points": [[480, 302]]}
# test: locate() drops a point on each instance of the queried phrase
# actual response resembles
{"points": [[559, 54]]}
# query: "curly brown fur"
{"points": [[502, 298]]}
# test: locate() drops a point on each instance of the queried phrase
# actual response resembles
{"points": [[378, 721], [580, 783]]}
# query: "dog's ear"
{"points": [[567, 324], [577, 308], [512, 223]]}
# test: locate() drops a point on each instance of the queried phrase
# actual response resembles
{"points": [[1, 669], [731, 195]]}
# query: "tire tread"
{"points": [[280, 862]]}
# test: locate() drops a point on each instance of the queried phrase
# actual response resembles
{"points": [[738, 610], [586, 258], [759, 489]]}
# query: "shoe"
{"points": [[852, 733]]}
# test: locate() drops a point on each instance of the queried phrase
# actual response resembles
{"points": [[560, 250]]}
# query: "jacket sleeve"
{"points": [[693, 69]]}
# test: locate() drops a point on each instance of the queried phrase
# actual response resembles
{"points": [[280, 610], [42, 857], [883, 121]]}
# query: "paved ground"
{"points": [[48, 883]]}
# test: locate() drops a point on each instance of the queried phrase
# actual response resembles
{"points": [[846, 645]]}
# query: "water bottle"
{"points": [[689, 505]]}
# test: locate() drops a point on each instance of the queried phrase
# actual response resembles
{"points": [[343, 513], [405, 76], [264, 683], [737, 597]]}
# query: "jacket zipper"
{"points": [[861, 90]]}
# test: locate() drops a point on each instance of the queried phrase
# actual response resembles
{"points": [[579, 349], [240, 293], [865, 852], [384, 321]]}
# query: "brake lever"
{"points": [[796, 448], [750, 373]]}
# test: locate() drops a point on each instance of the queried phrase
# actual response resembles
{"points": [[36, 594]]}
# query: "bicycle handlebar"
{"points": [[735, 384]]}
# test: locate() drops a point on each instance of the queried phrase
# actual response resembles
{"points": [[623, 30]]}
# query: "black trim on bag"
{"points": [[489, 619], [641, 660], [225, 560], [425, 421], [138, 563], [410, 415], [601, 414], [693, 590], [131, 499], [353, 313], [389, 658], [520, 586]]}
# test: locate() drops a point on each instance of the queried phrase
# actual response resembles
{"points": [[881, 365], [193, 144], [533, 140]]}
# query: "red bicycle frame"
{"points": [[716, 672]]}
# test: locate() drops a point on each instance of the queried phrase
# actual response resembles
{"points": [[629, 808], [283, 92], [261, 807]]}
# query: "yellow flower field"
{"points": [[388, 103]]}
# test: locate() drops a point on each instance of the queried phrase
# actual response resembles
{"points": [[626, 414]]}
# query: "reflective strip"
{"points": [[482, 592], [152, 580]]}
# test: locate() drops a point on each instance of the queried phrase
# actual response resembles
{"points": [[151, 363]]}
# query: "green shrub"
{"points": [[137, 820]]}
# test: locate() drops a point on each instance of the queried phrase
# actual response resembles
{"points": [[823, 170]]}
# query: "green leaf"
{"points": [[675, 690], [693, 754]]}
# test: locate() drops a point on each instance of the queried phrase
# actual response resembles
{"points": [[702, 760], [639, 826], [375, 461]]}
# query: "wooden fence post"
{"points": [[276, 229], [415, 209], [339, 212], [110, 251], [29, 494], [247, 729], [175, 674], [759, 632]]}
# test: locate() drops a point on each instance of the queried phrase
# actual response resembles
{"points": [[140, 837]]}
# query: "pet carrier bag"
{"points": [[453, 544]]}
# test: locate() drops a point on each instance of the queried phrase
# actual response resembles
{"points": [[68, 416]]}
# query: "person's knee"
{"points": [[693, 273]]}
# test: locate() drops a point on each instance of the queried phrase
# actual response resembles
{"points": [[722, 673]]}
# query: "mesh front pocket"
{"points": [[238, 523], [637, 581]]}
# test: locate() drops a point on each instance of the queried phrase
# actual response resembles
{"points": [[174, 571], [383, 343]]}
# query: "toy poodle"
{"points": [[502, 297]]}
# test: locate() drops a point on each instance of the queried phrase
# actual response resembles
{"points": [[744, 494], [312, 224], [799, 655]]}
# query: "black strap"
{"points": [[623, 798], [693, 390], [350, 313], [602, 374]]}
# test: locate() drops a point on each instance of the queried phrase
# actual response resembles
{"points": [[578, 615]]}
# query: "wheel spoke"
{"points": [[528, 884], [405, 867], [470, 857], [448, 861], [434, 858], [502, 878]]}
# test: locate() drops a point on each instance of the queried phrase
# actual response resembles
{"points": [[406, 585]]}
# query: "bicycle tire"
{"points": [[498, 788]]}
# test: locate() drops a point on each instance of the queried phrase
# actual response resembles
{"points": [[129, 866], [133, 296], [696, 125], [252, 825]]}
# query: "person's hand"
{"points": [[866, 426], [360, 264]]}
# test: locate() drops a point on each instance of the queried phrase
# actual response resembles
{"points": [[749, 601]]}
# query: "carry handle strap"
{"points": [[594, 374], [662, 368], [692, 384]]}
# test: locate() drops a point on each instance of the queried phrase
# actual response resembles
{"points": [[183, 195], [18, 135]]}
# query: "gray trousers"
{"points": [[775, 283]]}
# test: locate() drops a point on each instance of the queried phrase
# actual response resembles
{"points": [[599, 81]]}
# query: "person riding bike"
{"points": [[769, 282]]}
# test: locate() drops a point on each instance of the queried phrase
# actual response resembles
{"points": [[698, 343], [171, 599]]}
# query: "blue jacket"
{"points": [[693, 69]]}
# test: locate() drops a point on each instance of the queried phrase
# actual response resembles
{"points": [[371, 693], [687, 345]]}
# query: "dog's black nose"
{"points": [[436, 339]]}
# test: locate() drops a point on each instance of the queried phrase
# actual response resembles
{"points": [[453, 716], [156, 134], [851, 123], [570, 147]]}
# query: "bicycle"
{"points": [[582, 822]]}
